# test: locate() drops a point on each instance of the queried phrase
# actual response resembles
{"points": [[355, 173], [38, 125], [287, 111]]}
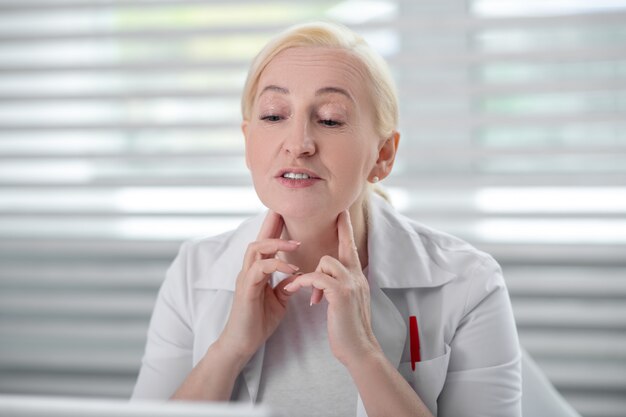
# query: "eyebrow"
{"points": [[320, 92], [335, 90], [274, 88]]}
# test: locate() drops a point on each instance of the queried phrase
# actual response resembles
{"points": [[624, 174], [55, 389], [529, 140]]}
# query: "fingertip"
{"points": [[290, 287], [344, 220], [278, 225], [316, 296], [345, 216], [272, 225]]}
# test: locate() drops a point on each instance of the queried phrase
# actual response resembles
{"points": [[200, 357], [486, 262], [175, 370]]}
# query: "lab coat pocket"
{"points": [[428, 378]]}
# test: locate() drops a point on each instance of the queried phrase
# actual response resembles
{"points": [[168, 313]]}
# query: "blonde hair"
{"points": [[331, 35]]}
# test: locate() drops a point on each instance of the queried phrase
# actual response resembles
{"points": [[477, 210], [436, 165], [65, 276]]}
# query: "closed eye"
{"points": [[330, 123], [271, 118]]}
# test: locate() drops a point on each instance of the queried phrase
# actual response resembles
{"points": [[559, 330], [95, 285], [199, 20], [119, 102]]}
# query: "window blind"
{"points": [[119, 138]]}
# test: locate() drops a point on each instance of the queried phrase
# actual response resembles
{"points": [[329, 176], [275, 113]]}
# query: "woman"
{"points": [[342, 306]]}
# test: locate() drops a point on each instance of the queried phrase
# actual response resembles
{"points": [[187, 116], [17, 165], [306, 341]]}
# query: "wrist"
{"points": [[213, 378], [371, 356], [228, 357]]}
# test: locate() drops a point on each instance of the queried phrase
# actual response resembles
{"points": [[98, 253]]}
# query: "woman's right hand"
{"points": [[257, 307]]}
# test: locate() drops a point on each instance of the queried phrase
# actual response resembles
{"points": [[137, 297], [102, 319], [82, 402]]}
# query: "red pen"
{"points": [[414, 340]]}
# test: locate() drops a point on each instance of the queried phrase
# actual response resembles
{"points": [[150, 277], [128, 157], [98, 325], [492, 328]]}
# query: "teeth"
{"points": [[295, 176]]}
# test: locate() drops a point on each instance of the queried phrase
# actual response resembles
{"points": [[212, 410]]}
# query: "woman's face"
{"points": [[310, 141]]}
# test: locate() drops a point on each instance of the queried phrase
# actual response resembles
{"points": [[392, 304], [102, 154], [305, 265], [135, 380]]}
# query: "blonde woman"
{"points": [[331, 303]]}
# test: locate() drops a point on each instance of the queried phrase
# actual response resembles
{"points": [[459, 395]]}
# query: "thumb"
{"points": [[281, 294]]}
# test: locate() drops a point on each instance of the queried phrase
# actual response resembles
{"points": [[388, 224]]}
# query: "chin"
{"points": [[301, 208]]}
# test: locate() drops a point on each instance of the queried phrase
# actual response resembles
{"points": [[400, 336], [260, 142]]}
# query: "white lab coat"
{"points": [[470, 356]]}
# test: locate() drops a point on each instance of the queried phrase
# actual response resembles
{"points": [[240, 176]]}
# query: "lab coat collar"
{"points": [[222, 273], [398, 257]]}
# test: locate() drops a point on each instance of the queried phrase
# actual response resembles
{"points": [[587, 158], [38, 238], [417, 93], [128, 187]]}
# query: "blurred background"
{"points": [[119, 138]]}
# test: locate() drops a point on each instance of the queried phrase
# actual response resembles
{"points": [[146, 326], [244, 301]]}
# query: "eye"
{"points": [[330, 123], [271, 118]]}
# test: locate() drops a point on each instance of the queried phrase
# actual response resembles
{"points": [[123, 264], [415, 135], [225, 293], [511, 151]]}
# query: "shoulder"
{"points": [[422, 256], [474, 273], [451, 252]]}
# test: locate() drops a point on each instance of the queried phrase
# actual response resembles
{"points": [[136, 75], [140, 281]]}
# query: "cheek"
{"points": [[251, 154], [349, 162], [258, 153]]}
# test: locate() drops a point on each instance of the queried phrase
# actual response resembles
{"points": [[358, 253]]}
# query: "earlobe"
{"points": [[386, 156]]}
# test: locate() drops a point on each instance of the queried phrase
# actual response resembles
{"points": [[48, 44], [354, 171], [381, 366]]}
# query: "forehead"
{"points": [[312, 68]]}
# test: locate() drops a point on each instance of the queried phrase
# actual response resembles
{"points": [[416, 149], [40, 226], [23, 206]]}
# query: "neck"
{"points": [[319, 238]]}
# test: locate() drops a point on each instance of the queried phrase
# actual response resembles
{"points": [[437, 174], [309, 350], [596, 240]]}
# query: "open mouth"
{"points": [[296, 176]]}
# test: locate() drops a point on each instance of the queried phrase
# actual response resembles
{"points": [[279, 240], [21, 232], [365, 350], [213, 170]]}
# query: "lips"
{"points": [[297, 174], [297, 178]]}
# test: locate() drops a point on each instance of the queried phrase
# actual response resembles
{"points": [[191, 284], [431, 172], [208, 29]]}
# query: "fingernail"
{"points": [[295, 242], [288, 287], [295, 268]]}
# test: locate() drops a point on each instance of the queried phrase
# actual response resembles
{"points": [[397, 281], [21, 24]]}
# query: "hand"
{"points": [[257, 308], [346, 289]]}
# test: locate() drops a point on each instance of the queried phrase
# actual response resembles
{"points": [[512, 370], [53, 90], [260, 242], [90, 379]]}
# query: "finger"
{"points": [[272, 226], [267, 249], [332, 267], [316, 296], [347, 253], [317, 280], [281, 294], [261, 269]]}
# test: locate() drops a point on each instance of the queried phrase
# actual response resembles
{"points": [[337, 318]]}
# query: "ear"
{"points": [[244, 130], [386, 156]]}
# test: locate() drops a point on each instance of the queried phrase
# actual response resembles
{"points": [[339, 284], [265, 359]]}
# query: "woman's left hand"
{"points": [[346, 289]]}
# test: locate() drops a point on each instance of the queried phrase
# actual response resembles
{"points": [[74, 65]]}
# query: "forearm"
{"points": [[384, 391], [213, 378]]}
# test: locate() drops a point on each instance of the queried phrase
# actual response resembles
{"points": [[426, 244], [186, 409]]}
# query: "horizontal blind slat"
{"points": [[419, 24], [447, 90]]}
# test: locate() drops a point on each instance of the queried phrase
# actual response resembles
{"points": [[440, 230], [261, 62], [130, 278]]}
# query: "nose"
{"points": [[299, 142]]}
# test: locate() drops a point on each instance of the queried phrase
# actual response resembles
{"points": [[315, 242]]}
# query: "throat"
{"points": [[319, 239], [314, 245]]}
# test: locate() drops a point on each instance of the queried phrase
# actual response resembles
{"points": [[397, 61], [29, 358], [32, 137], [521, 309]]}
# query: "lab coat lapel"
{"points": [[221, 277], [388, 324], [388, 327], [220, 310], [397, 259]]}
